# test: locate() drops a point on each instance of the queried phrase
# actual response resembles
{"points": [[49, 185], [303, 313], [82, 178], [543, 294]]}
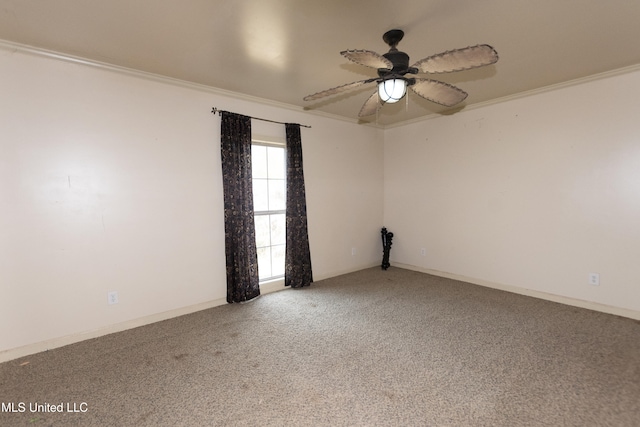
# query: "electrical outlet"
{"points": [[423, 252], [353, 251], [112, 297], [594, 279]]}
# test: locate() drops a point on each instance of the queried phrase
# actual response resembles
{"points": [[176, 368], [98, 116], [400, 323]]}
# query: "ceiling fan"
{"points": [[393, 68]]}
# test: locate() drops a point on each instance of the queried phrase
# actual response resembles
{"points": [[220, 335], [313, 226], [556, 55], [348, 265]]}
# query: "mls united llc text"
{"points": [[44, 407]]}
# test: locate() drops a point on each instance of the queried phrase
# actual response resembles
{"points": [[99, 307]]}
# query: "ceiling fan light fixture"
{"points": [[395, 74], [392, 90]]}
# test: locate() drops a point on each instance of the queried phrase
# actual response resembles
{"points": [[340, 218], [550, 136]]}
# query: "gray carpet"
{"points": [[371, 348]]}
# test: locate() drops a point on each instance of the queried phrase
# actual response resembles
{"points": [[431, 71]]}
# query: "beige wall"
{"points": [[111, 181], [534, 193]]}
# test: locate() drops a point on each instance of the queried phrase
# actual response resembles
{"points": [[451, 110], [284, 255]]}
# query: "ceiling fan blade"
{"points": [[337, 89], [439, 92], [367, 58], [372, 105], [458, 59]]}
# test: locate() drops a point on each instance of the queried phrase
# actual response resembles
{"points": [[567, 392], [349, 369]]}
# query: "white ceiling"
{"points": [[282, 50]]}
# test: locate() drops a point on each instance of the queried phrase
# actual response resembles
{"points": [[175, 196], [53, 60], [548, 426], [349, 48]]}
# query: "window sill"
{"points": [[272, 285]]}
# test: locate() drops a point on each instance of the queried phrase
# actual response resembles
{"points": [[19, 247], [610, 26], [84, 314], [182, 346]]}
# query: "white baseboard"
{"points": [[632, 314], [278, 285], [16, 353], [317, 278]]}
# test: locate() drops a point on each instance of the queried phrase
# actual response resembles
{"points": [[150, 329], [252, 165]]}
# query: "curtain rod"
{"points": [[214, 110]]}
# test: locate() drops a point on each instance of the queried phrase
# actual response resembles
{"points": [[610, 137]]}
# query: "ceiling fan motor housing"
{"points": [[400, 61]]}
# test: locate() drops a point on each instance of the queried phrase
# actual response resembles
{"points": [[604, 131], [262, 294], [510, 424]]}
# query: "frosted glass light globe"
{"points": [[392, 90]]}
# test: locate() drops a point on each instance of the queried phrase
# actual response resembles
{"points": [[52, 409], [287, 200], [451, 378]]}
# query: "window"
{"points": [[268, 167]]}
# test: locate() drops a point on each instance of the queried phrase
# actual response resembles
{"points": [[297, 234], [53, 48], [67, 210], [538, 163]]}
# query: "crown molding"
{"points": [[14, 47], [538, 91], [23, 48]]}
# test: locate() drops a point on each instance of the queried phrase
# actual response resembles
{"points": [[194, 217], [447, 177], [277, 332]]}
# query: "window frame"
{"points": [[282, 145]]}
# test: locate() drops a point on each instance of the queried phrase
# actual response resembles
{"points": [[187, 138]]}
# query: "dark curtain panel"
{"points": [[298, 257], [239, 225]]}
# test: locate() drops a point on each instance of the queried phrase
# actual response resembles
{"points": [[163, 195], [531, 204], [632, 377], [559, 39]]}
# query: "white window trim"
{"points": [[270, 142]]}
